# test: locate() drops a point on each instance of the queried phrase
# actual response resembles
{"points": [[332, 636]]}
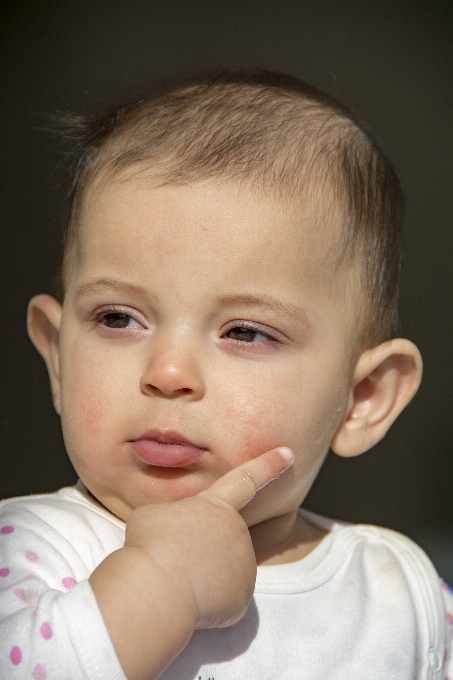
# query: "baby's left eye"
{"points": [[247, 335], [119, 320]]}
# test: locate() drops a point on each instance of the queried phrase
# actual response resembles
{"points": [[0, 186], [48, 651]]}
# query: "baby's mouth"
{"points": [[165, 449]]}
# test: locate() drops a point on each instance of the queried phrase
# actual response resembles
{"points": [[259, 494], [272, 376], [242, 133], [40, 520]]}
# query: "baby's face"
{"points": [[200, 328]]}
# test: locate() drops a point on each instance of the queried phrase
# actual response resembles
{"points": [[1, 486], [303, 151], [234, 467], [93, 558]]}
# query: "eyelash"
{"points": [[253, 328], [99, 314], [273, 337]]}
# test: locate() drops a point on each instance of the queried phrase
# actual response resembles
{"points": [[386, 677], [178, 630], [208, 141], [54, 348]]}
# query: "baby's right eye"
{"points": [[116, 318], [119, 320]]}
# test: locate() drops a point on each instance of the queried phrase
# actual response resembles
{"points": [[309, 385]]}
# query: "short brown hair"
{"points": [[273, 131]]}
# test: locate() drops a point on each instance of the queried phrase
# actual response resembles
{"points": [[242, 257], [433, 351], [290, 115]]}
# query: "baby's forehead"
{"points": [[312, 216], [215, 221]]}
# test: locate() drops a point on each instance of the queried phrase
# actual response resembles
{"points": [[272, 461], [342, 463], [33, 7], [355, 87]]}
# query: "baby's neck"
{"points": [[284, 539]]}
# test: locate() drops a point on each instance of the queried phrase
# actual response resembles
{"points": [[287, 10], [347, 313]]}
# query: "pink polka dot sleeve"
{"points": [[50, 625], [448, 596]]}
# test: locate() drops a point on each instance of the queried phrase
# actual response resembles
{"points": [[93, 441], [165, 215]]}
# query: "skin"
{"points": [[182, 263]]}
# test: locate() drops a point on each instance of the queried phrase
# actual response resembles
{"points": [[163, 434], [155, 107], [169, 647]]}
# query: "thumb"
{"points": [[237, 487]]}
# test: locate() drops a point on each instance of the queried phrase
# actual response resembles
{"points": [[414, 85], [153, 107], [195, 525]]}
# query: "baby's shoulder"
{"points": [[390, 585], [72, 504], [66, 521], [375, 551]]}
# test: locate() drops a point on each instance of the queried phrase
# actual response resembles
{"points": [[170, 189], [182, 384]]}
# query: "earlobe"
{"points": [[385, 379], [43, 324]]}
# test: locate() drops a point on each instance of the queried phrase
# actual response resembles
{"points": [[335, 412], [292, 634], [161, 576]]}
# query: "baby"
{"points": [[229, 305]]}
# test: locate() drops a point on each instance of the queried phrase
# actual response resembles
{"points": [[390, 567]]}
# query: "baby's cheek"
{"points": [[255, 425], [87, 405]]}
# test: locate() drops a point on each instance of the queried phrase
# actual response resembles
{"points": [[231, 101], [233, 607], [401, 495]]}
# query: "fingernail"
{"points": [[286, 454]]}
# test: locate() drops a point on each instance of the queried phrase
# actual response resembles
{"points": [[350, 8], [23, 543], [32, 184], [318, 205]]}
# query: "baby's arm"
{"points": [[185, 565], [151, 593], [50, 625]]}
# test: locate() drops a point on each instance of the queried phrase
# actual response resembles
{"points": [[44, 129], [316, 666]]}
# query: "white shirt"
{"points": [[366, 604]]}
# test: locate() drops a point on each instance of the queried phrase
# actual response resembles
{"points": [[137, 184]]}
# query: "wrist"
{"points": [[137, 600]]}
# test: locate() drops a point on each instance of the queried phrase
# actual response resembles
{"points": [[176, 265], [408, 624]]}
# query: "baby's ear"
{"points": [[385, 379], [43, 323]]}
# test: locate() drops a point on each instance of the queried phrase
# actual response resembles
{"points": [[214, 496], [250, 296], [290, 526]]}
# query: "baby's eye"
{"points": [[119, 320], [247, 335]]}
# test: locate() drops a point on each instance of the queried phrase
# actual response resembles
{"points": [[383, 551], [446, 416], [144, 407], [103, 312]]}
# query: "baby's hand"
{"points": [[203, 544], [185, 565]]}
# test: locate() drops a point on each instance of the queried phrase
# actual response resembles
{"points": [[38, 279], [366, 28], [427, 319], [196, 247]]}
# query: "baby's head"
{"points": [[280, 138], [229, 283]]}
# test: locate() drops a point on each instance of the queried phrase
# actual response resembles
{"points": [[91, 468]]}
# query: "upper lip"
{"points": [[167, 437]]}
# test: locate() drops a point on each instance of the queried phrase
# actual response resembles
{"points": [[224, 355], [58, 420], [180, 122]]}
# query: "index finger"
{"points": [[237, 487]]}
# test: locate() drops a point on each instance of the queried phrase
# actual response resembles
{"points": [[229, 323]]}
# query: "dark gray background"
{"points": [[389, 60]]}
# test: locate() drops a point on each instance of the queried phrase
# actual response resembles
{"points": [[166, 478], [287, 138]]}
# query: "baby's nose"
{"points": [[173, 372]]}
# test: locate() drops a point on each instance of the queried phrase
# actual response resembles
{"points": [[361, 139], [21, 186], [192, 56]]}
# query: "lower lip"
{"points": [[165, 455]]}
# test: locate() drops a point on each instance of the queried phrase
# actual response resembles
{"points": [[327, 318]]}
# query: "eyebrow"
{"points": [[274, 304], [100, 285], [244, 300]]}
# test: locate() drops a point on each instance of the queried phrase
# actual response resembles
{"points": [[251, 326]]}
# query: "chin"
{"points": [[166, 485]]}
